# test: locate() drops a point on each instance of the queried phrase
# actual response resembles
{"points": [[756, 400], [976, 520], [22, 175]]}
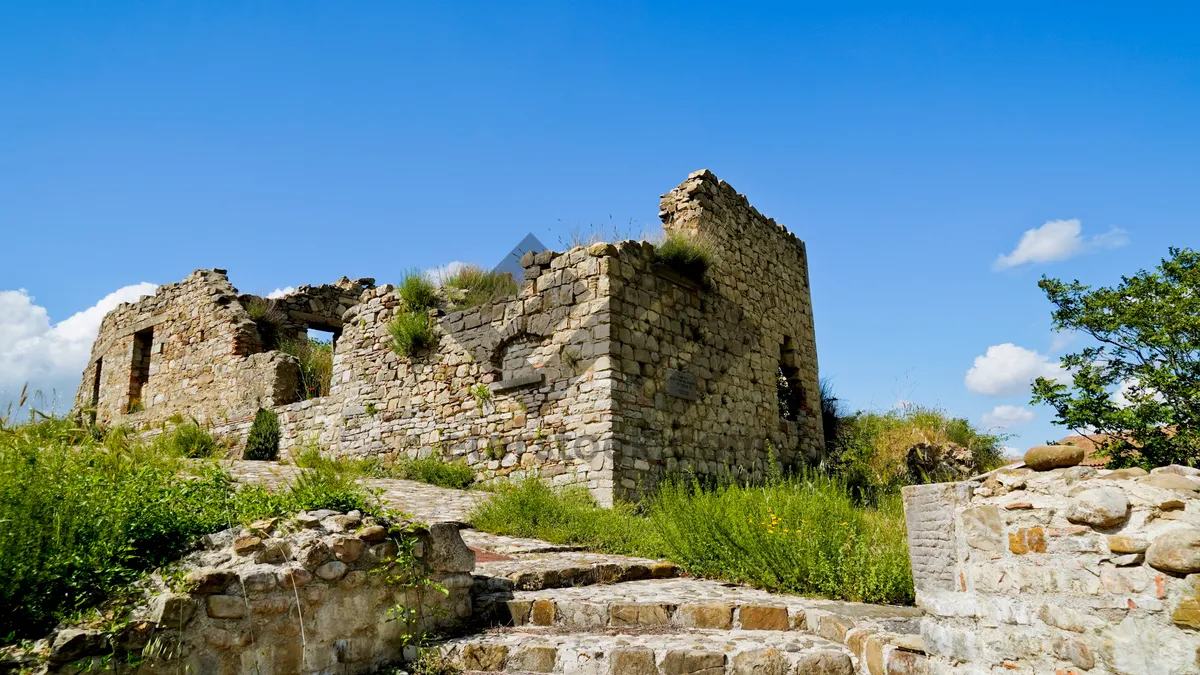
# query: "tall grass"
{"points": [[84, 513], [316, 366], [688, 255], [417, 292], [804, 535], [411, 332], [433, 470], [471, 286]]}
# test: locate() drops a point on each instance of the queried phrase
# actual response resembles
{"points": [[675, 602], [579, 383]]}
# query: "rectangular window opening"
{"points": [[139, 374]]}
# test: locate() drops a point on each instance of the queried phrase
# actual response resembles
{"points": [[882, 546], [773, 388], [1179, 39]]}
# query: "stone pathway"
{"points": [[547, 608]]}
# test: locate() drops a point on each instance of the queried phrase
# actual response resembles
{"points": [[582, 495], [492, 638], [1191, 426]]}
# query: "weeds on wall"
{"points": [[88, 511], [267, 317], [597, 233], [417, 292], [471, 286], [316, 366], [433, 470], [411, 332], [688, 255], [262, 443]]}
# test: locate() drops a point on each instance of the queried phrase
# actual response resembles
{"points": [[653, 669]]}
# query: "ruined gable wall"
{"points": [[542, 356], [1062, 571], [201, 357], [727, 338]]}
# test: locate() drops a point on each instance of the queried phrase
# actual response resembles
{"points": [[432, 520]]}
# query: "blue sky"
{"points": [[910, 148]]}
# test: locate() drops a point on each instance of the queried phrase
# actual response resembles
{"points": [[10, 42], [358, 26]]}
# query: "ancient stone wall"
{"points": [[607, 369], [189, 350], [321, 592], [1068, 570]]}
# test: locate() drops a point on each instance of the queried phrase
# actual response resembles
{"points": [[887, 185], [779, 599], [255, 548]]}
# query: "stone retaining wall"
{"points": [[1068, 570], [319, 593]]}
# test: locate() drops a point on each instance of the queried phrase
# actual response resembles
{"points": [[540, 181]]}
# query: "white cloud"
{"points": [[1006, 370], [50, 357], [439, 274], [1058, 240], [280, 292], [1007, 416]]}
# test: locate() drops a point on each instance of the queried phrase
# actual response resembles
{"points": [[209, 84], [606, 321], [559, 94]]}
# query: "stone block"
{"points": [[766, 661], [761, 617], [632, 662], [226, 606], [693, 662], [533, 659], [1027, 540], [173, 611], [542, 613], [488, 658], [825, 663], [716, 615]]}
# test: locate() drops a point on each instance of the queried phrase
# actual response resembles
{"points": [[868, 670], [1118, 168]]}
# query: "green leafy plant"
{"points": [[134, 406], [187, 439], [411, 332], [1136, 388], [482, 394], [435, 471], [417, 291], [471, 286], [688, 255], [86, 514], [262, 443], [370, 408]]}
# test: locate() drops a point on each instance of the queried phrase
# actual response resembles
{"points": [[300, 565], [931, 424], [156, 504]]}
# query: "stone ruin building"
{"points": [[607, 369]]}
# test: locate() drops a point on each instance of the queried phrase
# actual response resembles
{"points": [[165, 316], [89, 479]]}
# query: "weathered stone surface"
{"points": [[758, 617], [1176, 551], [1123, 543], [73, 643], [1100, 507], [983, 528], [226, 606], [693, 662], [633, 662], [1076, 651], [1046, 457], [533, 659], [171, 610], [1172, 481], [1124, 474], [447, 550], [294, 576], [1031, 540], [760, 662], [247, 544], [542, 613], [639, 614], [825, 663], [208, 580], [488, 658], [332, 570], [373, 534], [348, 549], [714, 615]]}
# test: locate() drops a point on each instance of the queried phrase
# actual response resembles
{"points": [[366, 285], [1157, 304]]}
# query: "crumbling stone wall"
{"points": [[196, 351], [320, 592], [1068, 570], [698, 364], [606, 370]]}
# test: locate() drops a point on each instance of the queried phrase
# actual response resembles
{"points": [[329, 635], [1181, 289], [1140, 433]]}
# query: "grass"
{"points": [[185, 439], [316, 366], [411, 332], [267, 317], [803, 535], [471, 286], [417, 291], [690, 256], [85, 513], [432, 470]]}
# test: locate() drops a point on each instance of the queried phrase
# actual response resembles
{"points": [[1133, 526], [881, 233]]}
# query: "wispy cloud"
{"points": [[1007, 416], [1058, 240]]}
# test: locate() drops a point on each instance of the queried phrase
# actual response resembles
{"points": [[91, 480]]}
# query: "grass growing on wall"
{"points": [[417, 291], [472, 286], [688, 255], [411, 332], [797, 535], [85, 513], [433, 470]]}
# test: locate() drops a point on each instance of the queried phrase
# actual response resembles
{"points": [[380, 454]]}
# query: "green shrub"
{"points": [[472, 286], [316, 366], [263, 441], [690, 256], [187, 439], [417, 291], [411, 332], [800, 535], [84, 515]]}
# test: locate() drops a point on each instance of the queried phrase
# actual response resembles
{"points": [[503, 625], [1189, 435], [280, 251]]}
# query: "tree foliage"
{"points": [[1139, 382]]}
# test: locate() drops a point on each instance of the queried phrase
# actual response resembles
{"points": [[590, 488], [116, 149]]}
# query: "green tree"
{"points": [[1139, 383]]}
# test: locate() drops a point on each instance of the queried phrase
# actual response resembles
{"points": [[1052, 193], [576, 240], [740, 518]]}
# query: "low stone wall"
{"points": [[320, 593], [1067, 570]]}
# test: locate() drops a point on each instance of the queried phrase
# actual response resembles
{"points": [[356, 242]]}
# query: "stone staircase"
{"points": [[547, 608]]}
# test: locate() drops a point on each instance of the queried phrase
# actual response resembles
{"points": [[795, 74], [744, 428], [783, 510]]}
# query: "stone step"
{"points": [[649, 652], [690, 603], [539, 571]]}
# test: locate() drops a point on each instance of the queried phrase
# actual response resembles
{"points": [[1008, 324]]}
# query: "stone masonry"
{"points": [[607, 370], [1063, 570]]}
